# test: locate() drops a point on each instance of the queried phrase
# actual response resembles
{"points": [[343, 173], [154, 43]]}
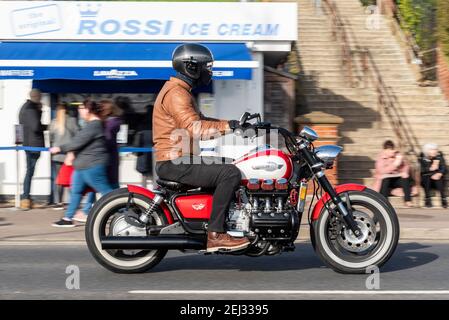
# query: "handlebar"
{"points": [[289, 137]]}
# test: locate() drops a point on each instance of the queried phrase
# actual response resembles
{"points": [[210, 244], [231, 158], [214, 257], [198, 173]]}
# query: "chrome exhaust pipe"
{"points": [[153, 242]]}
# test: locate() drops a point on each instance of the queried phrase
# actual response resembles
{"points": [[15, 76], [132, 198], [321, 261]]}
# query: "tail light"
{"points": [[253, 184], [281, 184], [267, 185]]}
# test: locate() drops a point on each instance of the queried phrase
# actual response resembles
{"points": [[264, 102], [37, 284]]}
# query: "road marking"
{"points": [[305, 292]]}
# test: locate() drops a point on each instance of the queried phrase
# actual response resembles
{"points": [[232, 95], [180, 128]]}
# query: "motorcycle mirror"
{"points": [[308, 134]]}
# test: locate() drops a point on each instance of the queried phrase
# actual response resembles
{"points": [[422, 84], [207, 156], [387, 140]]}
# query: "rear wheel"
{"points": [[340, 249], [107, 218]]}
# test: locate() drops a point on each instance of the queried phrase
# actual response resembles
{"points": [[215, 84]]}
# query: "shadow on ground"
{"points": [[407, 256]]}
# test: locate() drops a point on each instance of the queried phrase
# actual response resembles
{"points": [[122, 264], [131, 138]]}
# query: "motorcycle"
{"points": [[352, 228]]}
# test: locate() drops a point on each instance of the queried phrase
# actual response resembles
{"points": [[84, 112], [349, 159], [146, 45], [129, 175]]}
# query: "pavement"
{"points": [[33, 226], [37, 262]]}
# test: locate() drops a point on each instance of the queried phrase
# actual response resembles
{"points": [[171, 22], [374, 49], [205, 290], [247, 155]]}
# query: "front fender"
{"points": [[339, 189], [147, 193]]}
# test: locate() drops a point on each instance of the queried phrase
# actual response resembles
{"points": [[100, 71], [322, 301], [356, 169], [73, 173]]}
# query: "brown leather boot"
{"points": [[25, 204], [217, 241]]}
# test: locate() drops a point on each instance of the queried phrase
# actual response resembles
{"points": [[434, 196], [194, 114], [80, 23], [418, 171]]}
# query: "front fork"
{"points": [[344, 209]]}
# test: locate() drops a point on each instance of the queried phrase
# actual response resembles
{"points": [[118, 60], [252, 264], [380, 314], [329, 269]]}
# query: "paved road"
{"points": [[38, 271]]}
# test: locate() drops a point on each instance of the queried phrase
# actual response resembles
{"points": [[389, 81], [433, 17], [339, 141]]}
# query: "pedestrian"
{"points": [[91, 159], [110, 115], [392, 172], [62, 129], [130, 117], [144, 163], [433, 170], [33, 136]]}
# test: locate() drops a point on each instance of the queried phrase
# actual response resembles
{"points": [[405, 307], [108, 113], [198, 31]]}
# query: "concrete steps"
{"points": [[389, 79], [336, 66], [357, 111], [386, 74], [373, 105], [399, 90], [373, 97], [325, 86], [381, 135]]}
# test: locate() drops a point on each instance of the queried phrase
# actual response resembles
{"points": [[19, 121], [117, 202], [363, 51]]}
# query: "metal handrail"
{"points": [[339, 34], [385, 97], [413, 50], [387, 100]]}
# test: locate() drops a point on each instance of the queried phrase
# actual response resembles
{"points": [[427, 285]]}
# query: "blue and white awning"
{"points": [[109, 61]]}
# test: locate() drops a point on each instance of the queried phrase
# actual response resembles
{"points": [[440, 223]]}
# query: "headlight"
{"points": [[327, 154]]}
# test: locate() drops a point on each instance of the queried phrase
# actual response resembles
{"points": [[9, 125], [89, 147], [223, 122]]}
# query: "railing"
{"points": [[386, 98], [389, 104], [425, 68], [428, 70], [339, 34]]}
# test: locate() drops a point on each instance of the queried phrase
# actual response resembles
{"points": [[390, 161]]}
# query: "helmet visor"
{"points": [[208, 66]]}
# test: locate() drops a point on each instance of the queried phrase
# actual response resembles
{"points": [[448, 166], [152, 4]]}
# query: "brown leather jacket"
{"points": [[174, 109]]}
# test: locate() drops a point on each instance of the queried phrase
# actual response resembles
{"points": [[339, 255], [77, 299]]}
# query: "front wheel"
{"points": [[341, 250]]}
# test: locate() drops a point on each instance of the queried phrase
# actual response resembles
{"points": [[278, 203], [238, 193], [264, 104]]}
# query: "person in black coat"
{"points": [[144, 164], [433, 170], [33, 136]]}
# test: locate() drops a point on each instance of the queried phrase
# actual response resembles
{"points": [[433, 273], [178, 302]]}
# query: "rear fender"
{"points": [[339, 189], [148, 194]]}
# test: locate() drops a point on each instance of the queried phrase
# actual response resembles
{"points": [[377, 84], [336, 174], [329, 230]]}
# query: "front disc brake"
{"points": [[355, 244]]}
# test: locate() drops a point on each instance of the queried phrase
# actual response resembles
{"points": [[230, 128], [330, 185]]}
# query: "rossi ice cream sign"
{"points": [[147, 21]]}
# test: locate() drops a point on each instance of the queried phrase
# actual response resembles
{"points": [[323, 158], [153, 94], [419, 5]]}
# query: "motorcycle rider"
{"points": [[175, 109]]}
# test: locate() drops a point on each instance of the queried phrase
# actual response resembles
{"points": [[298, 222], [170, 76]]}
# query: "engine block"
{"points": [[267, 215]]}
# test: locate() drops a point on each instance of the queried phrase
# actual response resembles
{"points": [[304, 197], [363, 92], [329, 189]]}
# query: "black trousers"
{"points": [[429, 183], [201, 172], [397, 182]]}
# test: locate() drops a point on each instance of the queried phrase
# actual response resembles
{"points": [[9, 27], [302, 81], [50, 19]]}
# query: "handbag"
{"points": [[64, 178]]}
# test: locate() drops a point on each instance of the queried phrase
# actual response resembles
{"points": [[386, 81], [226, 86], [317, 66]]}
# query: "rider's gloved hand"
{"points": [[245, 130], [235, 125]]}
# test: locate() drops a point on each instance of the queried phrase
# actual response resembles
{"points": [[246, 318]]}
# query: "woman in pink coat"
{"points": [[393, 172]]}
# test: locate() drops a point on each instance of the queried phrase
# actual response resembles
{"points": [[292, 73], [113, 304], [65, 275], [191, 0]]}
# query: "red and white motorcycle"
{"points": [[352, 227]]}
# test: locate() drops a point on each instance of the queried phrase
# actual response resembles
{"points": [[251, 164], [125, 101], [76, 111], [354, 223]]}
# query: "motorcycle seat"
{"points": [[174, 185]]}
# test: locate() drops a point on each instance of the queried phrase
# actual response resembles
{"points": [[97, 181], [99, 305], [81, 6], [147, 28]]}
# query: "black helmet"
{"points": [[193, 61]]}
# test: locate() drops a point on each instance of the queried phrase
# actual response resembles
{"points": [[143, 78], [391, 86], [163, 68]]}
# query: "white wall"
{"points": [[14, 94], [234, 97], [231, 99]]}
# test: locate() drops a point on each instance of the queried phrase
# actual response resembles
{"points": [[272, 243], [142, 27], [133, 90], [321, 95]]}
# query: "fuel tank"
{"points": [[265, 163]]}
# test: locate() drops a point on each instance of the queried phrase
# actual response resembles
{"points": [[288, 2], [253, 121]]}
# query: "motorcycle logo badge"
{"points": [[269, 166], [198, 206]]}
